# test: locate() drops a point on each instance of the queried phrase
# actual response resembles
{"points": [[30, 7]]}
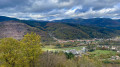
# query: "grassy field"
{"points": [[102, 52], [53, 48], [49, 48]]}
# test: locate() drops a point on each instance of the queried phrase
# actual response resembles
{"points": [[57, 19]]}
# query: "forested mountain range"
{"points": [[98, 22], [61, 29]]}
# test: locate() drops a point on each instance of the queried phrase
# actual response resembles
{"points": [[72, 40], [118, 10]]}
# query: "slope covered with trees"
{"points": [[74, 31], [60, 29], [98, 22], [17, 30]]}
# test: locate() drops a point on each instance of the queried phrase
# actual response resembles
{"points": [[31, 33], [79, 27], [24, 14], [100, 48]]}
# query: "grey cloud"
{"points": [[99, 4], [61, 1], [85, 9], [48, 5], [56, 9], [13, 3]]}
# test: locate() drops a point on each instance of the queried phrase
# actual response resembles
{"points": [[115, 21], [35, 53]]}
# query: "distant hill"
{"points": [[17, 30], [98, 22], [60, 29], [73, 31], [4, 18]]}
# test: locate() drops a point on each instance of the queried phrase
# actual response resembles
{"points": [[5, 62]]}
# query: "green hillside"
{"points": [[73, 31], [59, 30]]}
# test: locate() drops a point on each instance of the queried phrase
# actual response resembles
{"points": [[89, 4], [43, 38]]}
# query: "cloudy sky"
{"points": [[60, 9]]}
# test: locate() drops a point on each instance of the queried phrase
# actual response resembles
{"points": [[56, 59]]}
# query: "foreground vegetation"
{"points": [[14, 53], [29, 52]]}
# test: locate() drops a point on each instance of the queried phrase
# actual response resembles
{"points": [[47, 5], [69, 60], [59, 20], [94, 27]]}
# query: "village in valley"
{"points": [[108, 52]]}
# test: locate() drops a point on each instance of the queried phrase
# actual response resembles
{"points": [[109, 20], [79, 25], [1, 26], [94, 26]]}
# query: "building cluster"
{"points": [[115, 48], [115, 58], [77, 52], [85, 40]]}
